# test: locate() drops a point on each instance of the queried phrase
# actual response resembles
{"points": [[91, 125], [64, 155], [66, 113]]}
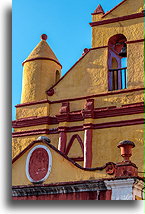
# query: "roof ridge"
{"points": [[113, 8]]}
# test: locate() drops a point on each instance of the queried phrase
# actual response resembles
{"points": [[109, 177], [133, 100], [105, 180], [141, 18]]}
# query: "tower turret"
{"points": [[41, 70]]}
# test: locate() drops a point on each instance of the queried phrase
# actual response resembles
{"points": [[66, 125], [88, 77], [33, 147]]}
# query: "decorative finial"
{"points": [[43, 37], [126, 149]]}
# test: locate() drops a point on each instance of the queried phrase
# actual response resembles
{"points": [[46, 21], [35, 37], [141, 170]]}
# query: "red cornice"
{"points": [[117, 19], [32, 103], [34, 121], [105, 46], [111, 111], [41, 58], [79, 128], [80, 98], [118, 123], [99, 95], [113, 8], [30, 132]]}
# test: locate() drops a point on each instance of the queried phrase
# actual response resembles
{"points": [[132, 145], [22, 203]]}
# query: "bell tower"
{"points": [[41, 69]]}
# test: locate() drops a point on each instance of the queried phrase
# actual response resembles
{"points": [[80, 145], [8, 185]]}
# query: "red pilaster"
{"points": [[63, 117], [87, 146]]}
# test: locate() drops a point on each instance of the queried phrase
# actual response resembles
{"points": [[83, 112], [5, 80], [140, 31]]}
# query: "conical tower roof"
{"points": [[99, 9], [42, 51]]}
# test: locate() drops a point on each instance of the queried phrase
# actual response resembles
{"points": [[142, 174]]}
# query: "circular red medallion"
{"points": [[38, 164]]}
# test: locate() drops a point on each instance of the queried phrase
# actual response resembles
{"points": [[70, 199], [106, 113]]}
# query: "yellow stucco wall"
{"points": [[89, 76], [131, 29], [32, 111], [105, 144]]}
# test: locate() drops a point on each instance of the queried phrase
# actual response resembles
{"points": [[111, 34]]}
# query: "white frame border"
{"points": [[49, 165]]}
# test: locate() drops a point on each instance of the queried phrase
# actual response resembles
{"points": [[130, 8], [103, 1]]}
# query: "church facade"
{"points": [[69, 131]]}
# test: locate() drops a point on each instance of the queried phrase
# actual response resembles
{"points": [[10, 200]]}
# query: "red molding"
{"points": [[113, 8], [117, 19], [77, 159], [105, 46], [34, 132], [99, 95], [80, 128], [111, 111], [34, 121], [135, 41], [118, 123], [41, 58], [124, 110], [80, 98], [32, 103]]}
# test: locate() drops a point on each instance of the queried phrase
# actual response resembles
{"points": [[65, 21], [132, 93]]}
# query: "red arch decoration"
{"points": [[75, 136]]}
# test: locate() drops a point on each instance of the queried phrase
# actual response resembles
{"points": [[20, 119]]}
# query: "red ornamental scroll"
{"points": [[38, 164]]}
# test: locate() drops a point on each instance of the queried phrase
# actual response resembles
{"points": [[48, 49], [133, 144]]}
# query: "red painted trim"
{"points": [[99, 95], [111, 111], [105, 46], [77, 159], [34, 121], [124, 110], [118, 123], [41, 58], [32, 103], [85, 195], [96, 13], [135, 41], [76, 136], [34, 132], [113, 8], [80, 128], [117, 19], [108, 195]]}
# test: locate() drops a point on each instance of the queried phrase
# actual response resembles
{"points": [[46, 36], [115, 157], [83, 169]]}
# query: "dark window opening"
{"points": [[57, 76]]}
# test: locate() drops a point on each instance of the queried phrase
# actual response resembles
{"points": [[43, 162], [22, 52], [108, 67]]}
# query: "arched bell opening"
{"points": [[117, 62]]}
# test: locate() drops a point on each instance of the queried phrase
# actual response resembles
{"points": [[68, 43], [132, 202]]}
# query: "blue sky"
{"points": [[64, 21]]}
